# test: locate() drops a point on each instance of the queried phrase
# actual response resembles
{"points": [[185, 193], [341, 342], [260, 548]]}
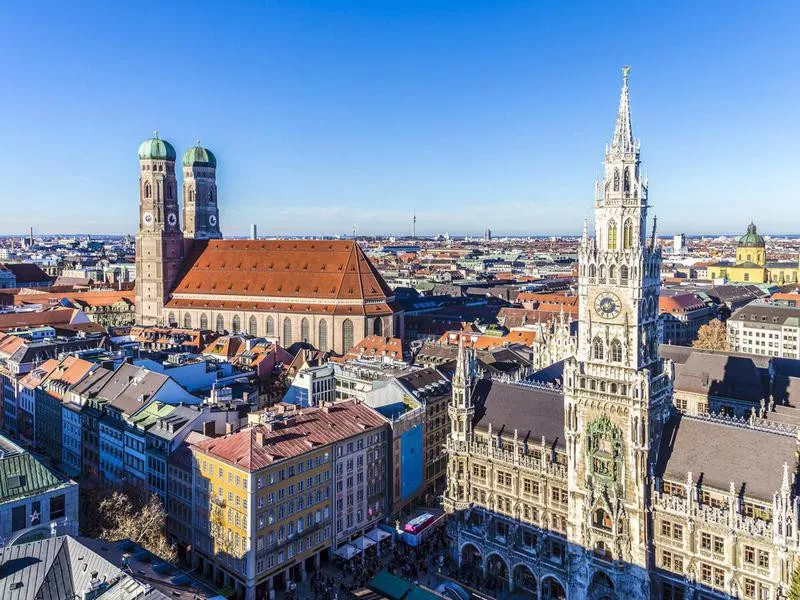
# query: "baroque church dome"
{"points": [[156, 149], [197, 156], [751, 239]]}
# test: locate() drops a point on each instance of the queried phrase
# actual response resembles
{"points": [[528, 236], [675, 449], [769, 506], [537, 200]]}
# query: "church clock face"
{"points": [[147, 218], [212, 220], [607, 305], [172, 219]]}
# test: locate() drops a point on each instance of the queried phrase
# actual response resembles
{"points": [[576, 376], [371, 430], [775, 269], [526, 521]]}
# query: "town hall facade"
{"points": [[599, 488]]}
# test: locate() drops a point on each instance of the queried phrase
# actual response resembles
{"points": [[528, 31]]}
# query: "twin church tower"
{"points": [[161, 243]]}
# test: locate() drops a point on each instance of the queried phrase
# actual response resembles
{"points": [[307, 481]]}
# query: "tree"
{"points": [[143, 521], [794, 590], [712, 336]]}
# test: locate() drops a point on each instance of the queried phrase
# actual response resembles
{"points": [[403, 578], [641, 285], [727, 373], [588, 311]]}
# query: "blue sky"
{"points": [[325, 115]]}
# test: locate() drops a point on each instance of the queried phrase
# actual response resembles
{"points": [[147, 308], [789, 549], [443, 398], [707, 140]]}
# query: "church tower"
{"points": [[616, 389], [200, 211], [159, 242], [461, 412]]}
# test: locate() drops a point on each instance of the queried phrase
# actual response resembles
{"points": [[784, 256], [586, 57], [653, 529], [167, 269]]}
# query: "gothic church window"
{"points": [[602, 519], [592, 271], [627, 235], [612, 235], [220, 324], [171, 320], [597, 348], [187, 321], [203, 321], [616, 180], [347, 334], [304, 330], [287, 332], [147, 190], [615, 353], [253, 326], [322, 338], [612, 273], [623, 274], [626, 185], [270, 326], [377, 326]]}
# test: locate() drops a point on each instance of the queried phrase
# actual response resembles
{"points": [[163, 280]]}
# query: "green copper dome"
{"points": [[156, 149], [751, 239], [197, 156]]}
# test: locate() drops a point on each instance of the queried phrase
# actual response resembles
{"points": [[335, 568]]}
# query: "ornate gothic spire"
{"points": [[461, 376], [623, 133]]}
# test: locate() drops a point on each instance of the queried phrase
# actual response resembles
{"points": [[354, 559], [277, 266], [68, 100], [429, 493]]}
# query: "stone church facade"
{"points": [[602, 489], [319, 292]]}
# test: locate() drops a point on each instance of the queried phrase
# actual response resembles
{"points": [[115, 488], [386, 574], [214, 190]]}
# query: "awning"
{"points": [[378, 535], [347, 551], [363, 543]]}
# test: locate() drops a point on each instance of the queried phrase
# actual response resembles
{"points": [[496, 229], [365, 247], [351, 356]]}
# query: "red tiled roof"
{"points": [[59, 316], [332, 270], [679, 303], [254, 448], [377, 346]]}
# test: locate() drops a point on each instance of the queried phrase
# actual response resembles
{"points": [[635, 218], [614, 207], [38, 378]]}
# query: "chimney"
{"points": [[260, 438], [208, 428], [228, 428]]}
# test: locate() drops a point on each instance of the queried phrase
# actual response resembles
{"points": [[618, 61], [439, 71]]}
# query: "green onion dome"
{"points": [[197, 156], [751, 239], [156, 149]]}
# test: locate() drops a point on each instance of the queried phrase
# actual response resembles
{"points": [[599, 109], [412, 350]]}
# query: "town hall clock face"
{"points": [[172, 219], [607, 305], [212, 220], [148, 218]]}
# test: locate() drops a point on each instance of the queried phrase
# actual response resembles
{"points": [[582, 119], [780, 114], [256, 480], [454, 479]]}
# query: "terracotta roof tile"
{"points": [[305, 430]]}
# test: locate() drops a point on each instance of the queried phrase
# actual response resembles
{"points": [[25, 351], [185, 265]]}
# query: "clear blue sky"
{"points": [[329, 114]]}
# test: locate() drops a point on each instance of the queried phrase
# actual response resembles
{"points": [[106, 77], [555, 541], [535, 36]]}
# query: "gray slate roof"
{"points": [[61, 568], [534, 412], [718, 454]]}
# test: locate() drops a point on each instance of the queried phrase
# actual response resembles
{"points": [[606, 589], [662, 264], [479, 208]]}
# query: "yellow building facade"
{"points": [[751, 264]]}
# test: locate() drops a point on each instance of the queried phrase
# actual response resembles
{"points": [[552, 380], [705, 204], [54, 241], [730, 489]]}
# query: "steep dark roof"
{"points": [[727, 375], [718, 454], [27, 273], [533, 411]]}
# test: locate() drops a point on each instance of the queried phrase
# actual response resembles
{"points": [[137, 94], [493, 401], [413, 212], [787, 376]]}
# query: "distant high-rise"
{"points": [[487, 235], [253, 231], [414, 225]]}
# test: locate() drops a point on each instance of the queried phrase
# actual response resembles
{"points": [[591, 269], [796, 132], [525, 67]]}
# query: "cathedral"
{"points": [[600, 488], [320, 292]]}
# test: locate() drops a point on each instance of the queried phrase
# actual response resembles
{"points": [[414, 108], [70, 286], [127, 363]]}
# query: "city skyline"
{"points": [[490, 121]]}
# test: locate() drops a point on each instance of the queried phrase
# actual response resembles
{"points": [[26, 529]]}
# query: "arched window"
{"points": [[602, 273], [612, 235], [253, 326], [147, 190], [592, 271], [169, 192], [211, 195], [287, 332], [377, 326], [220, 324], [322, 338], [616, 180], [270, 326], [602, 519], [171, 320], [203, 321], [597, 348], [623, 274], [615, 352], [236, 324], [304, 335], [612, 273], [187, 321], [627, 234], [626, 183], [347, 335], [191, 195]]}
